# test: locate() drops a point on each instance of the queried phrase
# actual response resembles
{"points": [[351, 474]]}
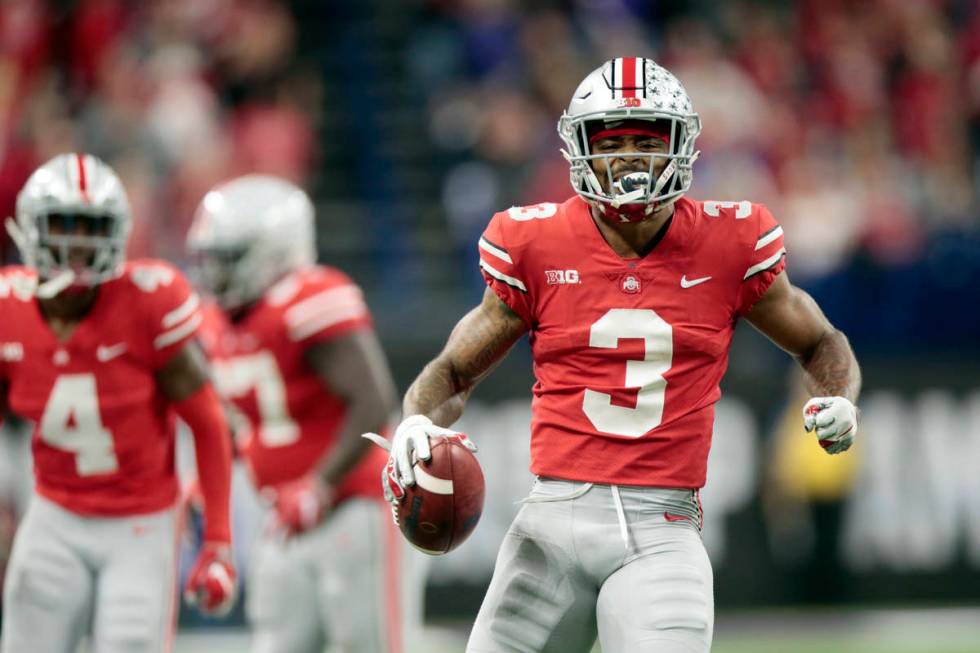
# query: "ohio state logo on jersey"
{"points": [[629, 283]]}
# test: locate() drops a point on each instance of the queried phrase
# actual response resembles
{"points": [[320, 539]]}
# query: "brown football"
{"points": [[443, 507]]}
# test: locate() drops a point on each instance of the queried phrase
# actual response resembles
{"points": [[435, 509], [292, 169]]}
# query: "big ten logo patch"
{"points": [[561, 277]]}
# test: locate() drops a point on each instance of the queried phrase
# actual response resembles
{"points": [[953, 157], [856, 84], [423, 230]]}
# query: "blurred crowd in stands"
{"points": [[857, 121], [176, 94]]}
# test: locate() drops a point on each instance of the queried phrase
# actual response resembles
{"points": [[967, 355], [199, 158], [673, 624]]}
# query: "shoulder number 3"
{"points": [[647, 375], [533, 212]]}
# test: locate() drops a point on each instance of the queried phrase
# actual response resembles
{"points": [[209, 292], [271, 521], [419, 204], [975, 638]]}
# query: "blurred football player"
{"points": [[100, 354], [295, 351], [629, 293]]}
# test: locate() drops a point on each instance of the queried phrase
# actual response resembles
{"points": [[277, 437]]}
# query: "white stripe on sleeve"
{"points": [[496, 251], [182, 312], [765, 265], [323, 303], [320, 322], [768, 238], [168, 338], [500, 276]]}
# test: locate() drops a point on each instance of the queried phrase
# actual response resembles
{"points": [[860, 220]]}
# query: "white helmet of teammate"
{"points": [[250, 232], [621, 90], [83, 199]]}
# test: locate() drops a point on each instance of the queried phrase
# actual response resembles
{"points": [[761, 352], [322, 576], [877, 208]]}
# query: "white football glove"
{"points": [[835, 421], [411, 436]]}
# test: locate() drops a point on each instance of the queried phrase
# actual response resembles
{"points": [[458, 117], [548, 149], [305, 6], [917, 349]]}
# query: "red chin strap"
{"points": [[628, 212]]}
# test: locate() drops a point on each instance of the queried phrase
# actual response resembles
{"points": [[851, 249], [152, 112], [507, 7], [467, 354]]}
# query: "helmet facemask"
{"points": [[73, 233], [102, 243], [216, 271], [237, 276], [633, 196]]}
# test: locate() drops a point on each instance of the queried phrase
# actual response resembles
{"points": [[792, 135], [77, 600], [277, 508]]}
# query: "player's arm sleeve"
{"points": [[175, 315], [203, 414], [330, 311], [501, 269], [765, 259]]}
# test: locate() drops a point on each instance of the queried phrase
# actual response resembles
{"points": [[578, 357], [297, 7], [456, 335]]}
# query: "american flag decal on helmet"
{"points": [[627, 76]]}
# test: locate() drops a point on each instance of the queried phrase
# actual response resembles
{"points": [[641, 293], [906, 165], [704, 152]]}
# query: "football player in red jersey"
{"points": [[100, 354], [294, 349], [629, 293]]}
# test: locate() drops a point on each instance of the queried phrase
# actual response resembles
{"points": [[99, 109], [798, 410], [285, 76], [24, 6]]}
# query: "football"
{"points": [[440, 511]]}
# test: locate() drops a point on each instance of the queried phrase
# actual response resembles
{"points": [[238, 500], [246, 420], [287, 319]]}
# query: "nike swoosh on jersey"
{"points": [[105, 354], [685, 283]]}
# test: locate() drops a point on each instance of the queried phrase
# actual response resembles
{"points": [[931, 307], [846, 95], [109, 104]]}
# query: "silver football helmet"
{"points": [[630, 89], [247, 234], [72, 224]]}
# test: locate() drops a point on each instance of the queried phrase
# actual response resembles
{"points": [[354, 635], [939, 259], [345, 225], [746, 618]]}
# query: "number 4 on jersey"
{"points": [[72, 422]]}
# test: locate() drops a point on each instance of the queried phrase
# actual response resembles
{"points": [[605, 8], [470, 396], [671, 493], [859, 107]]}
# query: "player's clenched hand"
{"points": [[212, 585], [301, 505], [835, 421], [411, 437]]}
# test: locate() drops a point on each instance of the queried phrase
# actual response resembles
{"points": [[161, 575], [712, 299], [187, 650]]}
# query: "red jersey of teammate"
{"points": [[103, 443], [259, 365], [628, 353]]}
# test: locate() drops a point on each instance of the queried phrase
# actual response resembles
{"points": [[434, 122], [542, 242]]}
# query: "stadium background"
{"points": [[411, 122]]}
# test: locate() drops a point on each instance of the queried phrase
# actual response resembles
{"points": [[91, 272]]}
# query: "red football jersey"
{"points": [[259, 366], [103, 440], [628, 353]]}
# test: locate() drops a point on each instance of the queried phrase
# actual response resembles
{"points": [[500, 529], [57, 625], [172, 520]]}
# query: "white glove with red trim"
{"points": [[835, 421], [411, 436], [212, 585]]}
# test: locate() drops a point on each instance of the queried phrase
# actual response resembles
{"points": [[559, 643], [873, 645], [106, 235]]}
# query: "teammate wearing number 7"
{"points": [[295, 353], [629, 293], [100, 354]]}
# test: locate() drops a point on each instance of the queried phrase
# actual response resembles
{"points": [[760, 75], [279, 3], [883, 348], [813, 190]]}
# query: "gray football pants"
{"points": [[625, 564], [351, 586], [113, 578]]}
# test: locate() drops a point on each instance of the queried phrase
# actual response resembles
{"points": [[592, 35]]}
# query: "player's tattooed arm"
{"points": [[479, 341], [794, 321]]}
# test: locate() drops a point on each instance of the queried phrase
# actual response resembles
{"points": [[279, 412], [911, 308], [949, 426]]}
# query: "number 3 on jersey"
{"points": [[533, 212], [647, 375], [71, 421]]}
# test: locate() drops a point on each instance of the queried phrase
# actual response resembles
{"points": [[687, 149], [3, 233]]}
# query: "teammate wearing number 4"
{"points": [[629, 293], [100, 354], [295, 351]]}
